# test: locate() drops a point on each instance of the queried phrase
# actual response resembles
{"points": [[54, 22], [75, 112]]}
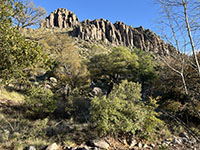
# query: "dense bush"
{"points": [[118, 65], [40, 102], [77, 106], [123, 112], [174, 97], [17, 54]]}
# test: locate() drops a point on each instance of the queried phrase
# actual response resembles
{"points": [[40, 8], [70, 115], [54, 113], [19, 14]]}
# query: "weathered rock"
{"points": [[96, 91], [152, 145], [133, 143], [122, 34], [53, 146], [53, 80], [31, 148], [61, 18], [146, 146], [140, 145], [98, 143], [47, 86]]}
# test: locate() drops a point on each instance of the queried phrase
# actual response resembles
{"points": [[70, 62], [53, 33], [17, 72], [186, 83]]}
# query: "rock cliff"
{"points": [[61, 18], [103, 30]]}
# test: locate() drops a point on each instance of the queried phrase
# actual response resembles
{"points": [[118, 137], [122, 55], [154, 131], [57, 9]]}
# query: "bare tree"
{"points": [[180, 17], [30, 14]]}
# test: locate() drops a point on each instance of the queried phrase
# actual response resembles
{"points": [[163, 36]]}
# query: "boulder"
{"points": [[96, 91], [53, 146], [99, 143], [31, 148]]}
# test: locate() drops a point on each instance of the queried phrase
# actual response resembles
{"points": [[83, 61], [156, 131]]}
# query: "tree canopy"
{"points": [[122, 64], [16, 53], [29, 15], [119, 64]]}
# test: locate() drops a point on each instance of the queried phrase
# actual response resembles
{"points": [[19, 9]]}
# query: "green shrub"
{"points": [[122, 112], [77, 106], [40, 102]]}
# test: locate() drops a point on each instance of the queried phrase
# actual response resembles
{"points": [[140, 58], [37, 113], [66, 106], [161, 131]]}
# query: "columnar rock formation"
{"points": [[61, 18], [103, 30], [122, 34]]}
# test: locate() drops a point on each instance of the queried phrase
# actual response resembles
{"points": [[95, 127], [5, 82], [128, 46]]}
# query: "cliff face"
{"points": [[61, 18], [103, 30]]}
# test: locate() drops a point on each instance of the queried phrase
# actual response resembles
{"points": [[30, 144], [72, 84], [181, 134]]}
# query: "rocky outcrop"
{"points": [[122, 34], [103, 30], [61, 18]]}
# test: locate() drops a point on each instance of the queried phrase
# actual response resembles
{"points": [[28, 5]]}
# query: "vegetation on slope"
{"points": [[69, 86]]}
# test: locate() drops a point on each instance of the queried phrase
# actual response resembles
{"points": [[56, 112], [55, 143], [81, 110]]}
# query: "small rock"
{"points": [[98, 143], [96, 91], [53, 80], [67, 148], [53, 146], [168, 140], [31, 148], [152, 145], [146, 146], [139, 145], [176, 141], [133, 143], [165, 143], [47, 86]]}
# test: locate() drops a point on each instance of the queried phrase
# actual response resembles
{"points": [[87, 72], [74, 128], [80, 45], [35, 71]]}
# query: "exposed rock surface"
{"points": [[122, 34], [61, 18], [103, 30]]}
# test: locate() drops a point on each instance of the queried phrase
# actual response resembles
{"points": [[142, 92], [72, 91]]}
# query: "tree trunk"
{"points": [[190, 36]]}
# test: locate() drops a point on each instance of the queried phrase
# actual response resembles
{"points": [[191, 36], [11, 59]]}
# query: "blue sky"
{"points": [[131, 12]]}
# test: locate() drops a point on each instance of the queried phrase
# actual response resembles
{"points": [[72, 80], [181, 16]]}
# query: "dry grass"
{"points": [[10, 96]]}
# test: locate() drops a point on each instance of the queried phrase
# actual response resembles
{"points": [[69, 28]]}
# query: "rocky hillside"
{"points": [[103, 30]]}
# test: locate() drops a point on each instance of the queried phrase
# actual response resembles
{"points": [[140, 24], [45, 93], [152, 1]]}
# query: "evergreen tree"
{"points": [[16, 53]]}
